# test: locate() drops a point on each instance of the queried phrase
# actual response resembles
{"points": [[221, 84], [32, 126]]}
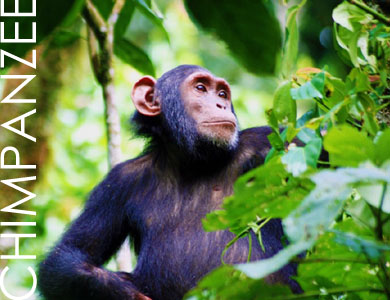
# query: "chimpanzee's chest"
{"points": [[173, 243]]}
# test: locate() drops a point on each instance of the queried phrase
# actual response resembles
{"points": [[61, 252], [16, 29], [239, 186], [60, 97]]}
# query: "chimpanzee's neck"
{"points": [[204, 160]]}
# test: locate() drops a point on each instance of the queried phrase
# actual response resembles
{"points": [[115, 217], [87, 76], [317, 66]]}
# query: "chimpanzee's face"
{"points": [[207, 99]]}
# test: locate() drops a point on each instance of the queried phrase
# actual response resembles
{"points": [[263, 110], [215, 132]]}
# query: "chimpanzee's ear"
{"points": [[143, 97]]}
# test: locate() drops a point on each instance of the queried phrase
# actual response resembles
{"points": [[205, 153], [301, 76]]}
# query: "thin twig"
{"points": [[93, 52], [370, 10]]}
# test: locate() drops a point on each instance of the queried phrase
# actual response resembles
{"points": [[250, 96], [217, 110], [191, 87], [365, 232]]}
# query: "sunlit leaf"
{"points": [[284, 107], [348, 147], [311, 89], [382, 145]]}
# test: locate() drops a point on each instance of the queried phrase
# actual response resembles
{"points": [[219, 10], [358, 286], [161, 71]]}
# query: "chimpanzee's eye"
{"points": [[201, 87], [222, 94]]}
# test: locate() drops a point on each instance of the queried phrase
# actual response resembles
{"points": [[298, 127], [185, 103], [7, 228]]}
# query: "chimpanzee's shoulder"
{"points": [[256, 137], [253, 147]]}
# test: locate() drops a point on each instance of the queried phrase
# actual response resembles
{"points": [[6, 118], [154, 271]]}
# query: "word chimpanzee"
{"points": [[195, 155]]}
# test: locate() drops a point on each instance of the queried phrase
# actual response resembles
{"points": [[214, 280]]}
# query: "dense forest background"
{"points": [[320, 69]]}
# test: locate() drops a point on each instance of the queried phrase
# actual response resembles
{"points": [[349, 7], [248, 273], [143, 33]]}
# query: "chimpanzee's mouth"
{"points": [[220, 123]]}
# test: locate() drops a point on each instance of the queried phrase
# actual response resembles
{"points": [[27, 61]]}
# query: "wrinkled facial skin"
{"points": [[207, 99]]}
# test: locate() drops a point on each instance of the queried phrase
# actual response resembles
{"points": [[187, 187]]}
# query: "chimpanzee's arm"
{"points": [[72, 270]]}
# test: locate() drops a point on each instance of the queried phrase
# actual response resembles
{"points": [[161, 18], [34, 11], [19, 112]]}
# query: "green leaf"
{"points": [[370, 248], [311, 89], [50, 14], [263, 192], [369, 108], [134, 56], [153, 16], [124, 18], [347, 15], [298, 159], [227, 283], [349, 33], [265, 267], [348, 147], [318, 210], [335, 90], [295, 161], [275, 138], [275, 141], [373, 195], [358, 81], [249, 29], [307, 116], [63, 39], [290, 50], [306, 135], [315, 214], [335, 265], [382, 144], [284, 107], [104, 7]]}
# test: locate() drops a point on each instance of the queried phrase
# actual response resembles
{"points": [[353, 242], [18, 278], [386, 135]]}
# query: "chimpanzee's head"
{"points": [[189, 107]]}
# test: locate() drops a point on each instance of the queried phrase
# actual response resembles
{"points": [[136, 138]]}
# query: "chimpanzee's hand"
{"points": [[133, 292]]}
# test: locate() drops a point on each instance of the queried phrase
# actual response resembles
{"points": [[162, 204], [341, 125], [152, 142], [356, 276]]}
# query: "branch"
{"points": [[101, 32], [102, 63], [115, 12], [93, 53], [94, 20], [370, 10]]}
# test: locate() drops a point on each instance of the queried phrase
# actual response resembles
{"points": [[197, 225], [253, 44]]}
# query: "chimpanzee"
{"points": [[195, 154]]}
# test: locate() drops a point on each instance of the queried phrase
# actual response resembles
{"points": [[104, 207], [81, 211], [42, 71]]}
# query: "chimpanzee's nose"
{"points": [[221, 106]]}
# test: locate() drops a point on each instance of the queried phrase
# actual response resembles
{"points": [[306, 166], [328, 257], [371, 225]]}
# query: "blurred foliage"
{"points": [[339, 216], [330, 88]]}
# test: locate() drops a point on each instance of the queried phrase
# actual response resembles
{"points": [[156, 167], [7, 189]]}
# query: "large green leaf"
{"points": [[249, 29], [284, 107], [50, 14], [348, 147], [124, 18], [134, 56]]}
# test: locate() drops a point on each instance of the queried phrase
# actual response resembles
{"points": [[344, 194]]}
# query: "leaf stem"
{"points": [[379, 225], [370, 10]]}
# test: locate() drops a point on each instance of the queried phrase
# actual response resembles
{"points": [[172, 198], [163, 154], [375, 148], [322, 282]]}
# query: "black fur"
{"points": [[159, 199]]}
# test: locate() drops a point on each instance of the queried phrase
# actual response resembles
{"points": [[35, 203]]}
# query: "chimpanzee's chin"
{"points": [[211, 151]]}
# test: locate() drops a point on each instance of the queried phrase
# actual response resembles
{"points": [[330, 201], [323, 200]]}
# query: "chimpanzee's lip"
{"points": [[221, 122]]}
